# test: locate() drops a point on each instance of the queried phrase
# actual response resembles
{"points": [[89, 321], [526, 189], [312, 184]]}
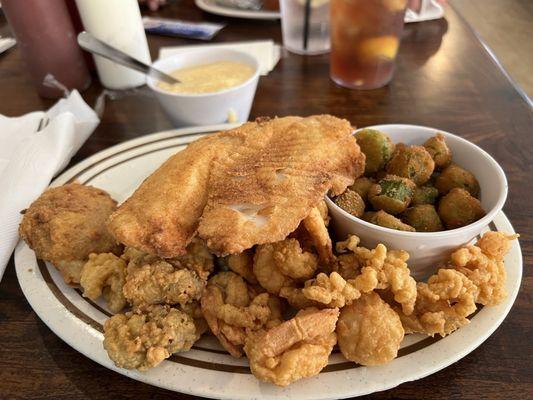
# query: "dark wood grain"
{"points": [[444, 79]]}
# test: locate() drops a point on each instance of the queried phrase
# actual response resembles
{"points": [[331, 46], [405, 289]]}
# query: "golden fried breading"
{"points": [[233, 308], [282, 264], [238, 188], [137, 258], [270, 183], [483, 265], [242, 264], [369, 331], [66, 224], [442, 304], [104, 273], [331, 291], [196, 258], [162, 216], [315, 225], [143, 338], [296, 349], [161, 282], [194, 310], [295, 297], [382, 269]]}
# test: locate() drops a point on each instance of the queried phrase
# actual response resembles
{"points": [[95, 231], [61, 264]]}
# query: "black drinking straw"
{"points": [[306, 23]]}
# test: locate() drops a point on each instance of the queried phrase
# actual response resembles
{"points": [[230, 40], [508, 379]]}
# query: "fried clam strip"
{"points": [[296, 349], [369, 331], [323, 291], [232, 309], [104, 274], [283, 264], [483, 264], [382, 269], [144, 337], [442, 305], [160, 282]]}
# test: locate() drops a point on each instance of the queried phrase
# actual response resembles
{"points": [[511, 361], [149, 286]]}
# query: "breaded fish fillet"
{"points": [[261, 192], [237, 188]]}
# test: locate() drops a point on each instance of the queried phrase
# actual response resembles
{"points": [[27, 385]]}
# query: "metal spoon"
{"points": [[90, 43]]}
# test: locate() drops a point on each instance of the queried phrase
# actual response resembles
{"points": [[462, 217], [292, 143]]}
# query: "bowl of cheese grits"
{"points": [[216, 86]]}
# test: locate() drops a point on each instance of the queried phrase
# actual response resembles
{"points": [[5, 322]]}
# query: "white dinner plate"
{"points": [[212, 7], [207, 370]]}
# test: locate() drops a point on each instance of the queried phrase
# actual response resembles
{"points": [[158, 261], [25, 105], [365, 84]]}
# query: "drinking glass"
{"points": [[365, 36], [305, 26]]}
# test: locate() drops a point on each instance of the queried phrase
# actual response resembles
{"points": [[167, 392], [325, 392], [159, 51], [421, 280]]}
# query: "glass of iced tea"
{"points": [[365, 36]]}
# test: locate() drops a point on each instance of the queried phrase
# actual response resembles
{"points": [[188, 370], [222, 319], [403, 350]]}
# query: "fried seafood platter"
{"points": [[230, 237]]}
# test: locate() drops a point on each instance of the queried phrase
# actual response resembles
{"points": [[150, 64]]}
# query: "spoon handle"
{"points": [[90, 43]]}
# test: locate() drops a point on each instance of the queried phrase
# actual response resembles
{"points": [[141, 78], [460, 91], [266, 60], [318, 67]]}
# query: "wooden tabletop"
{"points": [[445, 78]]}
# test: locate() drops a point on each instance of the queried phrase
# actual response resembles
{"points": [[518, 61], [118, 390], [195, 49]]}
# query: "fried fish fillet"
{"points": [[161, 217], [237, 188], [272, 181]]}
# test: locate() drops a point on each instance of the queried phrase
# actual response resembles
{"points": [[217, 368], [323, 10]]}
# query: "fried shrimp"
{"points": [[296, 349], [483, 264], [232, 309], [243, 264], [283, 264], [369, 331], [143, 338], [315, 225], [104, 274], [160, 282], [442, 304]]}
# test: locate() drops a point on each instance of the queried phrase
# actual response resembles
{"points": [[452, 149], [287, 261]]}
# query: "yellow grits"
{"points": [[208, 78]]}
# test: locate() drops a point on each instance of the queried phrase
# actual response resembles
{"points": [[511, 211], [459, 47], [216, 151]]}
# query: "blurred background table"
{"points": [[445, 78]]}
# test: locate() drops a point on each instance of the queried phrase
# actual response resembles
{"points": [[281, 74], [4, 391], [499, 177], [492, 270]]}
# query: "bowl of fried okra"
{"points": [[423, 190]]}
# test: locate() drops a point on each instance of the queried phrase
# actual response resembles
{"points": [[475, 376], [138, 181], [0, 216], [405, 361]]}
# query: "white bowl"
{"points": [[428, 249], [206, 108]]}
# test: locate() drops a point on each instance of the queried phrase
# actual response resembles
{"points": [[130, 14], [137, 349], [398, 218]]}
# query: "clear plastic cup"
{"points": [[305, 26], [365, 36]]}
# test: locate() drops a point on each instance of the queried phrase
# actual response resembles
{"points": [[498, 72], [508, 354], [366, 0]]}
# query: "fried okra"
{"points": [[454, 176], [361, 186], [439, 150], [458, 208], [413, 162], [392, 194], [351, 202], [381, 218], [426, 194], [377, 147], [423, 218]]}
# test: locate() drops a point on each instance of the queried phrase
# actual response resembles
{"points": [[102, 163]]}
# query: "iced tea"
{"points": [[365, 36]]}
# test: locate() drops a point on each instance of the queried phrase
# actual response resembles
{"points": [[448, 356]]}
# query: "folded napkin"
{"points": [[266, 52], [6, 44], [429, 9], [29, 158]]}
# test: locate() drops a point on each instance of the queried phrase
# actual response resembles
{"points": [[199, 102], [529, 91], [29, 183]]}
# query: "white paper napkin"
{"points": [[266, 52], [30, 159], [429, 9]]}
